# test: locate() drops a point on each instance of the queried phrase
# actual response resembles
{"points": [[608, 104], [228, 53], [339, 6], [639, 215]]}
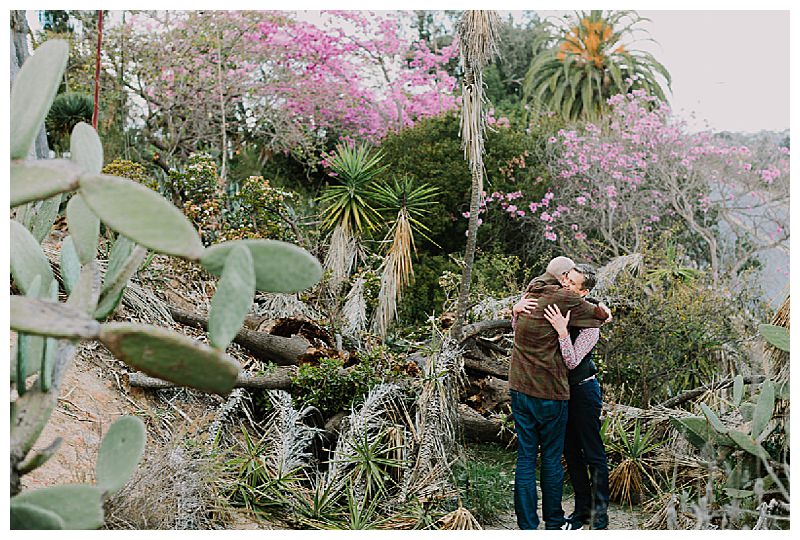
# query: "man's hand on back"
{"points": [[526, 305]]}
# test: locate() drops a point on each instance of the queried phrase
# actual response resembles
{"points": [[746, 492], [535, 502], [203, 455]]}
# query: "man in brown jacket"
{"points": [[540, 392]]}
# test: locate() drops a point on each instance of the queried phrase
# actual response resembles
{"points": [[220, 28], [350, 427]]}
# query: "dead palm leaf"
{"points": [[437, 422], [776, 361], [459, 519], [354, 311]]}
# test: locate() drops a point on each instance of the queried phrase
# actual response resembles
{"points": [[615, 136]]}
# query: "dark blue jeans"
{"points": [[583, 450], [540, 423]]}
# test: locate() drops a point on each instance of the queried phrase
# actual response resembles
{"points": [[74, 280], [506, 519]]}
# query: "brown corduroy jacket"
{"points": [[537, 367]]}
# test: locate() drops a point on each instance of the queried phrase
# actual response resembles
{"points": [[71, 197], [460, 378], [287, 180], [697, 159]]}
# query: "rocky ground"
{"points": [[620, 517]]}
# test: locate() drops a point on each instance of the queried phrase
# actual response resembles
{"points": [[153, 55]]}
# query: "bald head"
{"points": [[559, 265]]}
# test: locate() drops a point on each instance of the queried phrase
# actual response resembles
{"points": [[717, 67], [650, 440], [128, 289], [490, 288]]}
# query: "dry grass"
{"points": [[173, 488], [459, 519], [776, 361]]}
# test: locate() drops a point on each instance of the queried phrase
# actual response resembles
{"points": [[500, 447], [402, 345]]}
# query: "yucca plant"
{"points": [[478, 44], [633, 476], [347, 208], [65, 113], [591, 61], [409, 204]]}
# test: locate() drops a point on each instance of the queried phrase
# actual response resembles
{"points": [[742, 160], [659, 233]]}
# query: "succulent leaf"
{"points": [[84, 227], [142, 215], [86, 149], [54, 319], [120, 452], [233, 297], [86, 292], [33, 91], [764, 408], [70, 264], [45, 215], [777, 336], [79, 506], [747, 443], [716, 423], [26, 516], [28, 261], [120, 251], [41, 179], [279, 266], [738, 390], [114, 288], [171, 356]]}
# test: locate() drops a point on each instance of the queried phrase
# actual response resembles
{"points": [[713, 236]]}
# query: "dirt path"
{"points": [[620, 517]]}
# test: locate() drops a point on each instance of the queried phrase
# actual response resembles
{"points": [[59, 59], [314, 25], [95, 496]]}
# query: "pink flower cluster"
{"points": [[365, 83], [624, 165]]}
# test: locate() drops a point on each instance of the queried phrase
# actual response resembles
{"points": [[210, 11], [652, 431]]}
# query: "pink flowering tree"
{"points": [[221, 79], [638, 172]]}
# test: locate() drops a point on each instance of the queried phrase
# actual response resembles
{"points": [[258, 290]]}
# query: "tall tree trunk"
{"points": [[469, 257], [477, 32]]}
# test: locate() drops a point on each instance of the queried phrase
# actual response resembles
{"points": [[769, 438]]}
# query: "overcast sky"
{"points": [[730, 69]]}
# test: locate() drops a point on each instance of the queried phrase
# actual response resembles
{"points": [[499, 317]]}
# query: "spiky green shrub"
{"points": [[66, 111], [48, 330]]}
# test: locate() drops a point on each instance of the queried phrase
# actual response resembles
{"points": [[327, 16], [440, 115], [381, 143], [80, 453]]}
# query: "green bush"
{"points": [[251, 208], [485, 480], [666, 334], [131, 170], [330, 388]]}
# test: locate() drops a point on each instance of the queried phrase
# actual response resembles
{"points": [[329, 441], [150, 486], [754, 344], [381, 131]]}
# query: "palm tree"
{"points": [[591, 61], [408, 203], [477, 33]]}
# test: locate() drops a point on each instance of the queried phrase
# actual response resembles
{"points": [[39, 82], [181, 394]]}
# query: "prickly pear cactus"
{"points": [[47, 330]]}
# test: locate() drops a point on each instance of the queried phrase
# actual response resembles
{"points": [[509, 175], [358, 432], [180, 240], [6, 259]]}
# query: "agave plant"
{"points": [[409, 203], [591, 61]]}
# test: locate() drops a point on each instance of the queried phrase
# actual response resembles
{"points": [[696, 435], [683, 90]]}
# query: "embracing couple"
{"points": [[555, 398]]}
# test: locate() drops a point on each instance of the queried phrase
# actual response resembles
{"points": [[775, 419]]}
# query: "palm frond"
{"points": [[354, 311], [437, 421], [341, 257], [287, 439], [607, 275]]}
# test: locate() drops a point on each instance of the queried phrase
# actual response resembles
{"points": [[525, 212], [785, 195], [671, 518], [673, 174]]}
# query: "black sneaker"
{"points": [[571, 525], [583, 519], [600, 522]]}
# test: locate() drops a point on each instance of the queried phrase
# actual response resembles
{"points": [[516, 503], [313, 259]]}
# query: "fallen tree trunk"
{"points": [[477, 428], [697, 392], [280, 379], [476, 361], [472, 330], [282, 351]]}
